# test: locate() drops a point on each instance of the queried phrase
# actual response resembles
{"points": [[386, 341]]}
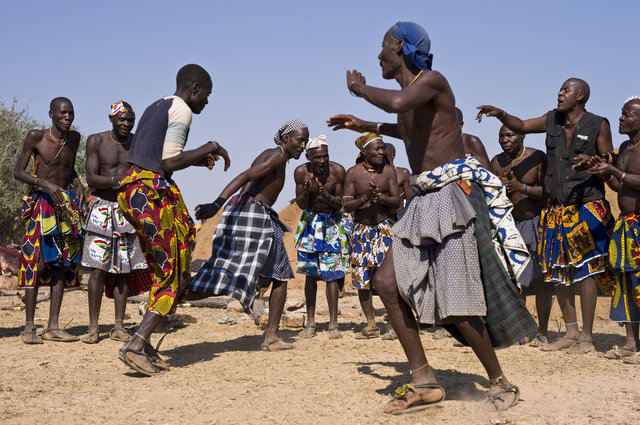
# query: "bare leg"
{"points": [[366, 302], [566, 300], [332, 299], [29, 335], [633, 343], [276, 307], [544, 296], [53, 331], [149, 323], [406, 327], [588, 300], [310, 292], [120, 295], [96, 289]]}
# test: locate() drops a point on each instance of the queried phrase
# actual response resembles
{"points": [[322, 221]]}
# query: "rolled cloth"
{"points": [[316, 142], [416, 43], [288, 127], [363, 141]]}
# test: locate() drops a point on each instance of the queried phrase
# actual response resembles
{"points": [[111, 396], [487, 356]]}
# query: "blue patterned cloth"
{"points": [[323, 246], [369, 244]]}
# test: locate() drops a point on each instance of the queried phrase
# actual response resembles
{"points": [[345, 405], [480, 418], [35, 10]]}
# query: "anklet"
{"points": [[421, 367], [574, 323], [140, 336]]}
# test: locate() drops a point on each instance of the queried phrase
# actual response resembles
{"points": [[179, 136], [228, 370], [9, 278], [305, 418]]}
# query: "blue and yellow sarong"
{"points": [[369, 244], [624, 260], [574, 243], [323, 246]]}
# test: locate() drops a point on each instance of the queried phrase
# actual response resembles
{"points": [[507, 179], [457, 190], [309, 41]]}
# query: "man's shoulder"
{"points": [[35, 134], [97, 137], [336, 168]]}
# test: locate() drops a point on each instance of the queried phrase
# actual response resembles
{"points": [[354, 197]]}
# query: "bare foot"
{"points": [[276, 345], [308, 332], [411, 398], [334, 333], [619, 352], [560, 344], [155, 358]]}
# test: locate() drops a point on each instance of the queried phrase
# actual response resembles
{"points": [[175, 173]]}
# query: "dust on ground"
{"points": [[220, 376]]}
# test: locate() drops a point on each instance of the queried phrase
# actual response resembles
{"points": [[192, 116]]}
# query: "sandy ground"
{"points": [[219, 375]]}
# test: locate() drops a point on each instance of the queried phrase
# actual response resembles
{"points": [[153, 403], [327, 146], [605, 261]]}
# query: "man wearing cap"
{"points": [[248, 252], [371, 193], [320, 239], [447, 249], [111, 247]]}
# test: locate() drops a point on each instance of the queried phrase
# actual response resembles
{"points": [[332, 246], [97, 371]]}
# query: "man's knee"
{"points": [[384, 282]]}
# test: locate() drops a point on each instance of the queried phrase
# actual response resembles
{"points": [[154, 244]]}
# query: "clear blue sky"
{"points": [[275, 61]]}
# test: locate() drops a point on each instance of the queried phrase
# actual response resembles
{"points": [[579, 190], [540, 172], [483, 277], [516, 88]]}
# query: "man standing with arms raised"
{"points": [[320, 239], [433, 265], [522, 170], [152, 203], [52, 213], [111, 248], [576, 224]]}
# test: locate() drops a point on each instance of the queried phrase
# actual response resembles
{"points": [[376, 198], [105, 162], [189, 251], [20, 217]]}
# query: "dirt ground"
{"points": [[220, 376]]}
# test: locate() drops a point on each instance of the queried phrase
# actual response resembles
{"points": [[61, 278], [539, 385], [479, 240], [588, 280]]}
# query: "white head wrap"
{"points": [[316, 142], [288, 127]]}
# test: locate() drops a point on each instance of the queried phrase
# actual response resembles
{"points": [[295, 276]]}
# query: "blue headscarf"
{"points": [[416, 43]]}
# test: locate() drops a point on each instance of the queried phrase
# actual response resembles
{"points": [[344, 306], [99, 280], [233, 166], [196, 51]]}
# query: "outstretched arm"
{"points": [[256, 171], [513, 123], [350, 122], [206, 153]]}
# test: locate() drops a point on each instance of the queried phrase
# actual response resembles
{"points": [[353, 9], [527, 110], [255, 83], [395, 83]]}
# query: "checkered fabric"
{"points": [[241, 245]]}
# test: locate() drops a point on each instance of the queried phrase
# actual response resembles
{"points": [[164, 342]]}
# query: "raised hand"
{"points": [[490, 111], [354, 79], [338, 122]]}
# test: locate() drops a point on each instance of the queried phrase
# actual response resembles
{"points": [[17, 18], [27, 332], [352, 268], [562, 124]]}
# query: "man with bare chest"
{"points": [[371, 193], [624, 259], [52, 213], [575, 225], [248, 252], [473, 145], [447, 249], [522, 170], [320, 239], [404, 181], [111, 247]]}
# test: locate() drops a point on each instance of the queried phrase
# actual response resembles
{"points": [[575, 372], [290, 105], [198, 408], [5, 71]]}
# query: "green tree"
{"points": [[15, 123]]}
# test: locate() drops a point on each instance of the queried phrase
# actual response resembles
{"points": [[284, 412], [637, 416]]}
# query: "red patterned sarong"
{"points": [[155, 208], [52, 237]]}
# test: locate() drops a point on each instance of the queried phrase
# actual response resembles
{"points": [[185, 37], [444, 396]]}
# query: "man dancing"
{"points": [[320, 239], [52, 245], [152, 203], [371, 193], [111, 248], [443, 260], [575, 226], [248, 252]]}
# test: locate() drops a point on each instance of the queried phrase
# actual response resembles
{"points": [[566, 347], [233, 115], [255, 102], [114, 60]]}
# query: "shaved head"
{"points": [[56, 102], [583, 88], [192, 73], [391, 150]]}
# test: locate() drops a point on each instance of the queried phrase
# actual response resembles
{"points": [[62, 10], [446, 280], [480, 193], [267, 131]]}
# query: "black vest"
{"points": [[148, 141], [561, 183]]}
